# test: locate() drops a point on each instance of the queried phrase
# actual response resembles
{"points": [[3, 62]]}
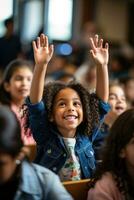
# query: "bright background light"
{"points": [[59, 25], [6, 10]]}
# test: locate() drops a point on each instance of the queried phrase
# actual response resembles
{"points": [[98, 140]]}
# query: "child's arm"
{"points": [[42, 55], [100, 55]]}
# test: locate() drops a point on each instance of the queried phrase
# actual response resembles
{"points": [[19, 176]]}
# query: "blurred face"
{"points": [[67, 112], [7, 167], [117, 100], [129, 89], [19, 85]]}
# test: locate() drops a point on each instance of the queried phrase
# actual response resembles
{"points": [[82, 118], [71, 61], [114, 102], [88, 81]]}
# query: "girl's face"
{"points": [[117, 100], [19, 84], [7, 167], [67, 112]]}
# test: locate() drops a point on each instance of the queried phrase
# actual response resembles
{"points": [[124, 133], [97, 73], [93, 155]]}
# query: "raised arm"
{"points": [[42, 55], [100, 55]]}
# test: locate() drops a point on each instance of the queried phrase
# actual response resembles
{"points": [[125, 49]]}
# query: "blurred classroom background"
{"points": [[69, 24]]}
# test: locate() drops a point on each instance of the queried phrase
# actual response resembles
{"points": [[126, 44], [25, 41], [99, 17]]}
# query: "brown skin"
{"points": [[67, 112]]}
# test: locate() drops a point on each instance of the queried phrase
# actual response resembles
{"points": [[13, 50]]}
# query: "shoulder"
{"points": [[54, 189], [38, 180], [105, 189], [44, 172]]}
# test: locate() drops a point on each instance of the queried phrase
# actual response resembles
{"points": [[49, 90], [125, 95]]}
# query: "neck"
{"points": [[18, 103], [68, 133]]}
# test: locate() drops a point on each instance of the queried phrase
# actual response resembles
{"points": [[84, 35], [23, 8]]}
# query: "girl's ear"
{"points": [[122, 154], [7, 86]]}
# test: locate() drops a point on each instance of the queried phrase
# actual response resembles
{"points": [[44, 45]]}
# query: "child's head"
{"points": [[117, 98], [16, 82], [10, 142], [119, 148], [69, 107]]}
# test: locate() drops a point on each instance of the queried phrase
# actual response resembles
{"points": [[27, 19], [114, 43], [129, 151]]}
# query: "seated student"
{"points": [[19, 179], [14, 88], [118, 103], [114, 179]]}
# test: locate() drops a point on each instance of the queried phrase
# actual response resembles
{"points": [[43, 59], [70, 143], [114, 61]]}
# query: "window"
{"points": [[6, 10], [32, 20], [59, 19]]}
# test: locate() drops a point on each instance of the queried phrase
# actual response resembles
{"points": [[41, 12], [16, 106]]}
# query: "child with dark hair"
{"points": [[118, 102], [14, 88], [114, 179], [64, 117], [20, 179]]}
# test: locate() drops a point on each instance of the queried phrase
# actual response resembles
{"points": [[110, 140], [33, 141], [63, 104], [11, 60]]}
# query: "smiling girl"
{"points": [[14, 88], [64, 117]]}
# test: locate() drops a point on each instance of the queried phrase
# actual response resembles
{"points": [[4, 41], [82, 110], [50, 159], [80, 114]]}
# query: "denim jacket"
{"points": [[51, 151], [39, 183]]}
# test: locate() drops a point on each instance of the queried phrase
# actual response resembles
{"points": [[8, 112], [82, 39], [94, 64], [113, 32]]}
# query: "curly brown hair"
{"points": [[89, 102]]}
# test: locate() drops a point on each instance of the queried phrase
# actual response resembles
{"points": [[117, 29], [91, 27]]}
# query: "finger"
{"points": [[107, 45], [96, 38], [46, 41], [34, 46], [92, 44], [38, 42], [42, 40], [101, 43], [51, 49], [92, 53]]}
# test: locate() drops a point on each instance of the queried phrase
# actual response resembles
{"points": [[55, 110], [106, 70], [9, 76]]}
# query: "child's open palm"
{"points": [[99, 53], [42, 50]]}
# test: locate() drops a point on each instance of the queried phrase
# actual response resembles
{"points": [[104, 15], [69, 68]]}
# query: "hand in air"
{"points": [[99, 53], [42, 50]]}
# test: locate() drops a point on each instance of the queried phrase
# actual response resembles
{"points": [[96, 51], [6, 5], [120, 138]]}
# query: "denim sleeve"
{"points": [[103, 109], [38, 121]]}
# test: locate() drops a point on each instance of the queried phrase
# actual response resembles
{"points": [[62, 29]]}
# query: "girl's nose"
{"points": [[71, 109], [119, 100]]}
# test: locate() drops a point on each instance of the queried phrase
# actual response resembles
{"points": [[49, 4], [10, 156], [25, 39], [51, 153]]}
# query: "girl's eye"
{"points": [[112, 98], [123, 99], [18, 78], [77, 103], [29, 79], [61, 104]]}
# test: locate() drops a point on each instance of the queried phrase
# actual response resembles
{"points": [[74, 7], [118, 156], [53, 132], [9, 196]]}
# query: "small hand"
{"points": [[99, 53], [42, 51]]}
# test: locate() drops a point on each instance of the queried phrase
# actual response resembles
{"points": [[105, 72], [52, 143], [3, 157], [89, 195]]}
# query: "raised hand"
{"points": [[42, 50], [98, 52]]}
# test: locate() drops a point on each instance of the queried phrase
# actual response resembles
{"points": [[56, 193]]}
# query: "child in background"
{"points": [[64, 117], [14, 88], [118, 103], [114, 179], [20, 179]]}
